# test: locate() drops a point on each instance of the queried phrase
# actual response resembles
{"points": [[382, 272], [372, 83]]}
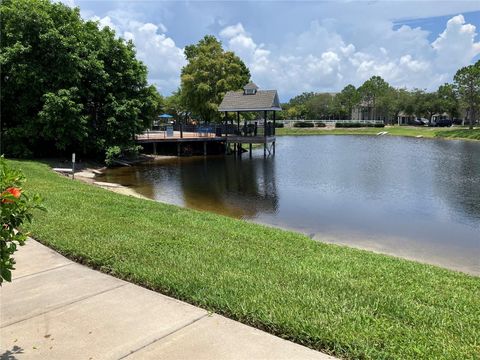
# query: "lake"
{"points": [[414, 198]]}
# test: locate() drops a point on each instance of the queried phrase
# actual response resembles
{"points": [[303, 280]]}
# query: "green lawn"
{"points": [[427, 132], [351, 303]]}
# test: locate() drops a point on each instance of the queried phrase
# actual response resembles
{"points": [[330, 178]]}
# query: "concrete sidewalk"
{"points": [[57, 309]]}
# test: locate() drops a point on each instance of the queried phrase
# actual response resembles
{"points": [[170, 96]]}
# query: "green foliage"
{"points": [[303, 124], [66, 85], [320, 125], [357, 125], [370, 92], [321, 106], [467, 85], [350, 303], [112, 154], [448, 100], [348, 98], [301, 99], [15, 208], [207, 77]]}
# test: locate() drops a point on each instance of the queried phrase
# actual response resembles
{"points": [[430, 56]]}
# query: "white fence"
{"points": [[289, 123]]}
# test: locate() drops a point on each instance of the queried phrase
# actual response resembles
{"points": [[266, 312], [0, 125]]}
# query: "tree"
{"points": [[320, 106], [448, 100], [467, 85], [348, 98], [370, 91], [301, 99], [67, 85], [209, 74], [426, 104]]}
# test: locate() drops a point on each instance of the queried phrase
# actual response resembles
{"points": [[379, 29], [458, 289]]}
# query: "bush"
{"points": [[279, 125], [112, 154], [16, 208], [322, 125], [357, 125], [303, 124]]}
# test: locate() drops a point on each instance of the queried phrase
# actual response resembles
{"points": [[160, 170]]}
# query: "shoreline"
{"points": [[365, 244], [399, 131]]}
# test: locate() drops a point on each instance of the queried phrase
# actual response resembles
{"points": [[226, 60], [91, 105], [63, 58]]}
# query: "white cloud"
{"points": [[325, 55], [456, 45], [158, 51], [321, 59]]}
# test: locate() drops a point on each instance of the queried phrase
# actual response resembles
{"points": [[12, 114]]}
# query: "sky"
{"points": [[297, 46]]}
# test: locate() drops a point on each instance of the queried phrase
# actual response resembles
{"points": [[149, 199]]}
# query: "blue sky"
{"points": [[303, 46]]}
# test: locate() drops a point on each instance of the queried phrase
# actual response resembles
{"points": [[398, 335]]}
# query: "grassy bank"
{"points": [[453, 133], [347, 302]]}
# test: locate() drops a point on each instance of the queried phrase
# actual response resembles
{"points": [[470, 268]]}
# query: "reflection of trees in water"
{"points": [[231, 186], [457, 176]]}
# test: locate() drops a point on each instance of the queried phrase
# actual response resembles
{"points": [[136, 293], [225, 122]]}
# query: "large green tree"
{"points": [[67, 85], [448, 100], [370, 92], [348, 98], [467, 84], [210, 73]]}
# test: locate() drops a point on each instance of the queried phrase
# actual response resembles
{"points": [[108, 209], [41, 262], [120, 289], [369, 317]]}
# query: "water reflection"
{"points": [[232, 186], [415, 198]]}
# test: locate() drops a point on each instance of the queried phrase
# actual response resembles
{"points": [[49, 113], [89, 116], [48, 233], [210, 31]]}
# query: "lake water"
{"points": [[414, 198]]}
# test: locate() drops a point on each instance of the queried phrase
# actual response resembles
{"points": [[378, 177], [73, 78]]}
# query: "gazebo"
{"points": [[252, 99]]}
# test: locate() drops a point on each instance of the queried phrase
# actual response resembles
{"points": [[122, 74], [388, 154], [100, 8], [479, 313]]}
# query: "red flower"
{"points": [[16, 192]]}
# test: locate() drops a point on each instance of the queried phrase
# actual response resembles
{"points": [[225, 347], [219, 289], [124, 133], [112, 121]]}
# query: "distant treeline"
{"points": [[378, 100]]}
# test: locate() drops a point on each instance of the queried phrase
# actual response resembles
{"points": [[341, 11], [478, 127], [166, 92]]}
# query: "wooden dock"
{"points": [[161, 137]]}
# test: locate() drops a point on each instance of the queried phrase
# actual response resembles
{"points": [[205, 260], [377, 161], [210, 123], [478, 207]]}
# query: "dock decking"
{"points": [[159, 137]]}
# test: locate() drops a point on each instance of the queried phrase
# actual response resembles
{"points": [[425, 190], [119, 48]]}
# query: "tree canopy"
{"points": [[209, 74], [467, 85], [67, 85]]}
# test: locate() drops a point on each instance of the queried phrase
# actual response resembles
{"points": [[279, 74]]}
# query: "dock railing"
{"points": [[249, 129]]}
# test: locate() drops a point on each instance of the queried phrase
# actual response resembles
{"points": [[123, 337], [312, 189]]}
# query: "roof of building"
{"points": [[261, 100], [251, 85]]}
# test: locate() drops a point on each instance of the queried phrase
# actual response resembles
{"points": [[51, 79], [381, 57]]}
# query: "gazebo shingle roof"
{"points": [[251, 85], [260, 101]]}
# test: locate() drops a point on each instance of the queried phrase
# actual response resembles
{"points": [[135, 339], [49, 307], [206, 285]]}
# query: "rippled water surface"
{"points": [[414, 198]]}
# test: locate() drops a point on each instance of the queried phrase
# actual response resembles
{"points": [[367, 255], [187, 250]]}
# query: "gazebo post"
{"points": [[265, 129], [274, 132], [237, 147], [238, 121]]}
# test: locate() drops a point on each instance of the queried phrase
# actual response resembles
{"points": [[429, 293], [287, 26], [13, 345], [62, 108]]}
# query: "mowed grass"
{"points": [[351, 303], [469, 134], [412, 131]]}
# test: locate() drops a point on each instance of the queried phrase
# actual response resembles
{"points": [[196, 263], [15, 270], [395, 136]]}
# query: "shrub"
{"points": [[113, 153], [279, 125], [357, 124], [322, 125], [16, 208], [303, 124]]}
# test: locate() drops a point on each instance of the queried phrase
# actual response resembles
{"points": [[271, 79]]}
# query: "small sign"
{"points": [[73, 165], [169, 131]]}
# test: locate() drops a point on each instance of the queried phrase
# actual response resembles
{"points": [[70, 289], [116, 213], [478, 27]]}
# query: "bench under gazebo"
{"points": [[251, 100]]}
